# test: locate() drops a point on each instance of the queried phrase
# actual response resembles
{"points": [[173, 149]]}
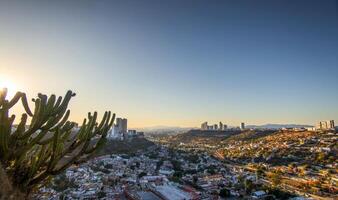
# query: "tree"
{"points": [[142, 174], [176, 165], [275, 178], [321, 156], [178, 174], [259, 173], [224, 193], [194, 179], [211, 170], [101, 194], [248, 185], [31, 154]]}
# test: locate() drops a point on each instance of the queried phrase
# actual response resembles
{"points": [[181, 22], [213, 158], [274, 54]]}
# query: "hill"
{"points": [[125, 147], [218, 137], [277, 126], [282, 147]]}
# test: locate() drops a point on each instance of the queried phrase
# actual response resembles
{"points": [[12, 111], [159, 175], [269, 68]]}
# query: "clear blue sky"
{"points": [[178, 62]]}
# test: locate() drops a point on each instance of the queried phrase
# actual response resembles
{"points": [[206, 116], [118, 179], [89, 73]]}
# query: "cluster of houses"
{"points": [[161, 173], [157, 174]]}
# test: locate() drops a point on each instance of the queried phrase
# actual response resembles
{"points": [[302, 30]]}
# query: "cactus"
{"points": [[31, 154]]}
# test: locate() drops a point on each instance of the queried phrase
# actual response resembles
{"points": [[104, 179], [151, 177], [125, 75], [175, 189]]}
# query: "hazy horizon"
{"points": [[177, 63]]}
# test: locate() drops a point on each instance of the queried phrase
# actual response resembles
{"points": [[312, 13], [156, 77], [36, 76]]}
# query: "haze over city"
{"points": [[177, 63]]}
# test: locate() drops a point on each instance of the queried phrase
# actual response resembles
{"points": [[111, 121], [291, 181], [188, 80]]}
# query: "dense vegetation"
{"points": [[124, 147]]}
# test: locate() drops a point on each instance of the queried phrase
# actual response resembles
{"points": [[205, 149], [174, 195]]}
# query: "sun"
{"points": [[11, 87]]}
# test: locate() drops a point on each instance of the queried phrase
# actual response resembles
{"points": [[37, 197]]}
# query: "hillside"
{"points": [[282, 148], [217, 137], [125, 147], [269, 146], [198, 135]]}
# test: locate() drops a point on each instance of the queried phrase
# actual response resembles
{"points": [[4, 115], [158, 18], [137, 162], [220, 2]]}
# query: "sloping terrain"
{"points": [[125, 147], [282, 147]]}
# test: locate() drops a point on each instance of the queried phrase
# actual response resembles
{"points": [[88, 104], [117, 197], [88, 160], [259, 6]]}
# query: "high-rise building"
{"points": [[220, 126], [326, 125], [225, 127], [215, 127], [242, 126], [120, 128], [204, 126], [332, 125], [124, 125]]}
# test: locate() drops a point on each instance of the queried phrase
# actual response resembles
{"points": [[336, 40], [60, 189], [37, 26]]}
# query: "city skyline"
{"points": [[177, 63]]}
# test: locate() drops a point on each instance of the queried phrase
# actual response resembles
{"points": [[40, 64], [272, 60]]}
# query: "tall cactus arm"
{"points": [[5, 130], [65, 102], [21, 127], [25, 105], [50, 103], [62, 122], [14, 100], [58, 102], [3, 94], [103, 131]]}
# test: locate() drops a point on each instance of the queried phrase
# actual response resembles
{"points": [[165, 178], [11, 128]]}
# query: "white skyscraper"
{"points": [[120, 128], [220, 126], [204, 126], [325, 125]]}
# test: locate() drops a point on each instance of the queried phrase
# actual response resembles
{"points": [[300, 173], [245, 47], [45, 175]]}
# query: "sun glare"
{"points": [[11, 87]]}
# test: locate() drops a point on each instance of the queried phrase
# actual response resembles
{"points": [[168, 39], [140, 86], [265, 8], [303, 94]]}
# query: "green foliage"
{"points": [[259, 173], [275, 178], [129, 147], [224, 193], [101, 194], [153, 155], [248, 185], [178, 174], [175, 179], [211, 170], [192, 158], [142, 174], [321, 157], [30, 154], [176, 165], [109, 166], [279, 194], [194, 179]]}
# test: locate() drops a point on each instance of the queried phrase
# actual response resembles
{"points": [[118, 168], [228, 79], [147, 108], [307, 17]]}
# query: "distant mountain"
{"points": [[163, 128], [176, 129], [278, 126], [167, 130]]}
